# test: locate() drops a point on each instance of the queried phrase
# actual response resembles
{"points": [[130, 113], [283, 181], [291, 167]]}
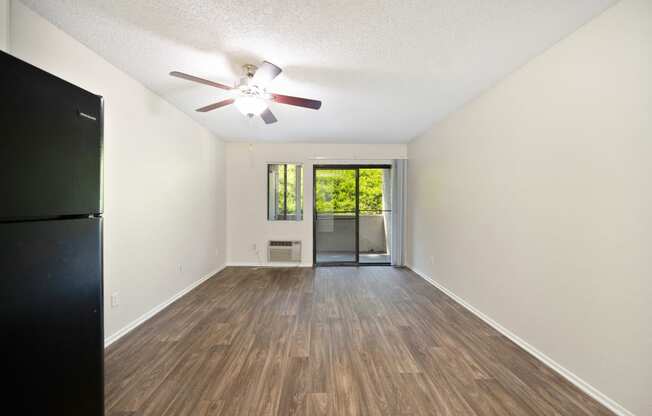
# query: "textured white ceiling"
{"points": [[385, 70]]}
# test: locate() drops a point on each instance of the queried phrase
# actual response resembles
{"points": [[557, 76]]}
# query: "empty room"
{"points": [[326, 208]]}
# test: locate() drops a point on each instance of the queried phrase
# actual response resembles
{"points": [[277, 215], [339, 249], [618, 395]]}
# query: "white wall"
{"points": [[4, 24], [534, 204], [246, 168], [163, 177]]}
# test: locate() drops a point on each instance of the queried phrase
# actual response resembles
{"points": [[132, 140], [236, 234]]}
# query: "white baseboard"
{"points": [[254, 264], [567, 374], [158, 308]]}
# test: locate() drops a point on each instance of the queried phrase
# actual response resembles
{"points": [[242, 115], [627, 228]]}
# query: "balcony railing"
{"points": [[336, 232]]}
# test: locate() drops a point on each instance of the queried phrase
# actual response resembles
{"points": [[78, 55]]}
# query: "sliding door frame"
{"points": [[356, 168]]}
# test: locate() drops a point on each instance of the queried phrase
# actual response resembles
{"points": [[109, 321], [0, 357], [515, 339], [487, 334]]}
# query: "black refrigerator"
{"points": [[50, 244]]}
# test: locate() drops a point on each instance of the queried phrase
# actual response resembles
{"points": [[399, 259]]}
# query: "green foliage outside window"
{"points": [[291, 186], [285, 200], [336, 191]]}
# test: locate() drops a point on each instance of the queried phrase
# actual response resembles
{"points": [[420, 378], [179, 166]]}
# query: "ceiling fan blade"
{"points": [[200, 80], [216, 105], [267, 72], [297, 101], [268, 117]]}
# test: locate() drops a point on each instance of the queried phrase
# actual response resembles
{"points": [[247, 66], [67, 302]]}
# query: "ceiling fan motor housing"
{"points": [[247, 88], [249, 72]]}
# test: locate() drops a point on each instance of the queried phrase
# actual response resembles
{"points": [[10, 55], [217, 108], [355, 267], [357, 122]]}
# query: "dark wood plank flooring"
{"points": [[325, 342]]}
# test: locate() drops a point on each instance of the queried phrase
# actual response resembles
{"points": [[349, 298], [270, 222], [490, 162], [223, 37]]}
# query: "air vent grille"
{"points": [[280, 243]]}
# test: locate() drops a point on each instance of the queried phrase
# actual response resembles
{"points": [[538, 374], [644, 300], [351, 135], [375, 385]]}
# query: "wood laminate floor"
{"points": [[327, 341]]}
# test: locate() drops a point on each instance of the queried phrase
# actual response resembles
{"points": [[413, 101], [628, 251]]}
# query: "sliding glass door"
{"points": [[335, 206], [374, 215], [352, 214]]}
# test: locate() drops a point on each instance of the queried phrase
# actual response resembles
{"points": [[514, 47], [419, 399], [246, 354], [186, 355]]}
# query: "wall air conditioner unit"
{"points": [[284, 251]]}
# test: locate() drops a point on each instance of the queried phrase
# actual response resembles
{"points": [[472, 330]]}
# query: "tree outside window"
{"points": [[284, 192]]}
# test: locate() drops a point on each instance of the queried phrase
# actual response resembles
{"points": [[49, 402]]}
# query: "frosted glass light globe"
{"points": [[250, 105]]}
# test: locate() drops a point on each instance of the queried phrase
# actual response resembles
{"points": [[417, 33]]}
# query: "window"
{"points": [[284, 192]]}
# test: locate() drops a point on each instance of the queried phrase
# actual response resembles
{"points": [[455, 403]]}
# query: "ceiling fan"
{"points": [[250, 96]]}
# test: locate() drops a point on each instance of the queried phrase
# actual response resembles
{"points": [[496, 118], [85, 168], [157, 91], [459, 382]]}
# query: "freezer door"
{"points": [[51, 317], [50, 146]]}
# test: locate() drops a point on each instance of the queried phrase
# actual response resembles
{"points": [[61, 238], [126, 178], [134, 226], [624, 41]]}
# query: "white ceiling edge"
{"points": [[419, 85]]}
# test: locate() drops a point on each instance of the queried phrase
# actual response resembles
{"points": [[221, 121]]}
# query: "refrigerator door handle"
{"points": [[88, 116]]}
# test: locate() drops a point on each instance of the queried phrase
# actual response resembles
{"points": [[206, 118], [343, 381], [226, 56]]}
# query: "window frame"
{"points": [[298, 210]]}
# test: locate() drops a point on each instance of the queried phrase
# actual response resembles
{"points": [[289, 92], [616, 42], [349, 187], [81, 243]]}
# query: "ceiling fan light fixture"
{"points": [[250, 106]]}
